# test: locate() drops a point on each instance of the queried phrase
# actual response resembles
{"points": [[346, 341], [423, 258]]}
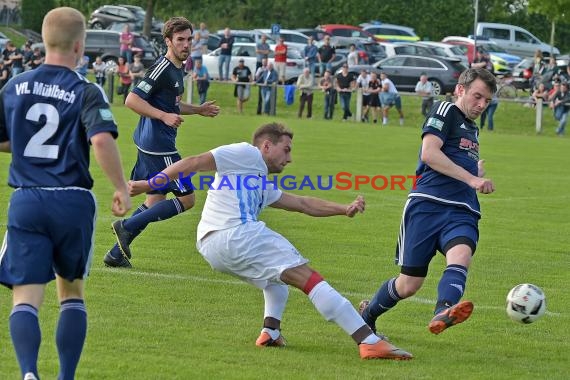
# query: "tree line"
{"points": [[431, 19]]}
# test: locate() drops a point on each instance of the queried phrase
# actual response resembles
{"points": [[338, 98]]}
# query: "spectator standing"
{"points": [[126, 39], [124, 73], [204, 36], [195, 51], [259, 77], [328, 86], [267, 80], [281, 59], [482, 61], [137, 70], [390, 97], [100, 71], [37, 58], [424, 89], [362, 82], [327, 54], [13, 58], [202, 78], [241, 74], [27, 54], [52, 212], [310, 54], [157, 100], [262, 50], [352, 58], [226, 45], [374, 88], [4, 74], [561, 105], [305, 85], [345, 84], [489, 113]]}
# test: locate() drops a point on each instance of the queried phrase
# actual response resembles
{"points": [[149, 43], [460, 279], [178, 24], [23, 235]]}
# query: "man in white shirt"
{"points": [[424, 88], [390, 97], [233, 240]]}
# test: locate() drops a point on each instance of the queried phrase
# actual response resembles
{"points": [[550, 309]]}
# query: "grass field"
{"points": [[172, 317]]}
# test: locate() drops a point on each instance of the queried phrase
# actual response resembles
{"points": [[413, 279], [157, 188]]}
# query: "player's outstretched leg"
{"points": [[451, 316], [275, 296]]}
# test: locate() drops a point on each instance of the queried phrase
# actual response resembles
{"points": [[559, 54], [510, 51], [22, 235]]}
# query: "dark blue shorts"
{"points": [[49, 231], [428, 227], [149, 165]]}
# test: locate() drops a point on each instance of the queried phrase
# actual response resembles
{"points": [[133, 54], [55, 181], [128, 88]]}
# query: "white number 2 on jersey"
{"points": [[36, 147]]}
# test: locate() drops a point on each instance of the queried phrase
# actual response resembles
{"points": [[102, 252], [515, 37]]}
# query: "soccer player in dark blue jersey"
{"points": [[442, 212], [157, 98], [48, 118]]}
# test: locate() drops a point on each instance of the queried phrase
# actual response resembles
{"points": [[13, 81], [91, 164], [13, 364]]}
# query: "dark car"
{"points": [[104, 16], [156, 39], [140, 14], [105, 43], [369, 52], [405, 71]]}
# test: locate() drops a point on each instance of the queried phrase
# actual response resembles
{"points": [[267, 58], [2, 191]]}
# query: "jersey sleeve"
{"points": [[96, 115], [237, 158], [150, 84], [438, 120]]}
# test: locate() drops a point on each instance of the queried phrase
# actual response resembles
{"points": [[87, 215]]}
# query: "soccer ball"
{"points": [[526, 303]]}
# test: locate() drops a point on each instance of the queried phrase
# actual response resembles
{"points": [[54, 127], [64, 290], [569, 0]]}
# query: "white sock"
{"points": [[371, 339], [275, 296], [274, 334], [335, 307]]}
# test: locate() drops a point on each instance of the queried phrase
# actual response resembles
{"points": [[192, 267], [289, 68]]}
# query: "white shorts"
{"points": [[280, 68], [252, 252]]}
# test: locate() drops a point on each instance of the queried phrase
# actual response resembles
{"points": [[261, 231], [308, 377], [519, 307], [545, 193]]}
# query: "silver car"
{"points": [[246, 50]]}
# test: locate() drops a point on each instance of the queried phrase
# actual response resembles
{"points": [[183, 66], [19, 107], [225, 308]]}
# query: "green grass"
{"points": [[172, 317]]}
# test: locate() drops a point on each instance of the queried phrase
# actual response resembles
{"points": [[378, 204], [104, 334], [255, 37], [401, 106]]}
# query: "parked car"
{"points": [[390, 32], [405, 71], [318, 35], [514, 39], [103, 16], [443, 49], [522, 73], [410, 48], [140, 14], [246, 50], [342, 30], [105, 43], [246, 36], [291, 37], [156, 39], [369, 52], [503, 62]]}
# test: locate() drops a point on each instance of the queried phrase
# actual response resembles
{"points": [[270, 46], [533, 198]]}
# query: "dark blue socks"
{"points": [[385, 298], [451, 287], [70, 336], [26, 336]]}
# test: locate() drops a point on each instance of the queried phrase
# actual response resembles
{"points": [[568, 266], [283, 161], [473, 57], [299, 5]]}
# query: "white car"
{"points": [[246, 50], [442, 49]]}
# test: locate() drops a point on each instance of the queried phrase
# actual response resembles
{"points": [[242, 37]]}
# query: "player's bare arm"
{"points": [[208, 109], [437, 160], [108, 158], [143, 108], [201, 163], [318, 207]]}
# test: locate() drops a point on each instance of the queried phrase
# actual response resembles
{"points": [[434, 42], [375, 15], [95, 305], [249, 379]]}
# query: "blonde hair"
{"points": [[62, 28]]}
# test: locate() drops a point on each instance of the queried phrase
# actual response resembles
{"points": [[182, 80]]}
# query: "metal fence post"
{"points": [[273, 101], [538, 120], [189, 88], [358, 104], [110, 84]]}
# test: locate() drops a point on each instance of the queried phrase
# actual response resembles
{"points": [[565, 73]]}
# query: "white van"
{"points": [[514, 39]]}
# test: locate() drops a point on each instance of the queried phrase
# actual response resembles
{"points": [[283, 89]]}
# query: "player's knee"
{"points": [[313, 280]]}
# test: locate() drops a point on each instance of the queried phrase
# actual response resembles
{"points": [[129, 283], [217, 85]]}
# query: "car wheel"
{"points": [[97, 25], [437, 87]]}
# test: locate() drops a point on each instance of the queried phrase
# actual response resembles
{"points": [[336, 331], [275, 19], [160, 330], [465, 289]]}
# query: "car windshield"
{"points": [[457, 50], [491, 48]]}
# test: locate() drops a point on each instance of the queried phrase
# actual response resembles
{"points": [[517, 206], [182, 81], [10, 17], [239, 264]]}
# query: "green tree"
{"points": [[33, 13], [554, 10]]}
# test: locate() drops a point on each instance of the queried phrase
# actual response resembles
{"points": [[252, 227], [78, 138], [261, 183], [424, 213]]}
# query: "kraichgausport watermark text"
{"points": [[338, 181]]}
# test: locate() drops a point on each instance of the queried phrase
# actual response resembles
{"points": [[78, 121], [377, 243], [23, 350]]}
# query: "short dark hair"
{"points": [[272, 132], [470, 75], [176, 25]]}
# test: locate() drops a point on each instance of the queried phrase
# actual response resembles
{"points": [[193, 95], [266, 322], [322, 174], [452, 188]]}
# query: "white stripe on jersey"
{"points": [[443, 108], [159, 69], [4, 246], [445, 201], [156, 154], [402, 235]]}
